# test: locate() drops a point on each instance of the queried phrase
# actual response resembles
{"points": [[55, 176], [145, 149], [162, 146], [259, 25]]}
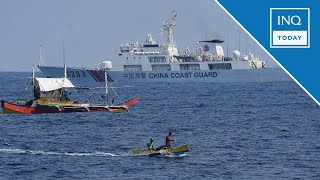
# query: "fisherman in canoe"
{"points": [[168, 140], [150, 145]]}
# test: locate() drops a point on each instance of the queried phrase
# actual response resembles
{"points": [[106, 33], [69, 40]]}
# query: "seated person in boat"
{"points": [[150, 145], [36, 92], [66, 95]]}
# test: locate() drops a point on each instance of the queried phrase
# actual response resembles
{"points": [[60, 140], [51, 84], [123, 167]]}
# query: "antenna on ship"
{"points": [[239, 40], [168, 29], [247, 45], [227, 44], [41, 61]]}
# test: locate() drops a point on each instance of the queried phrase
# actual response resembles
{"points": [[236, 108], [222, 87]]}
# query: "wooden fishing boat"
{"points": [[33, 107], [51, 96], [177, 151]]}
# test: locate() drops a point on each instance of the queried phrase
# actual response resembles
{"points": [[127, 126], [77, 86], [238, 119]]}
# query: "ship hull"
{"points": [[217, 76], [80, 75]]}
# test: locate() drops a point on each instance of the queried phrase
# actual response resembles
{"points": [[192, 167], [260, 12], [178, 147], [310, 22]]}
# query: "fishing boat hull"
{"points": [[12, 108], [178, 151], [52, 107]]}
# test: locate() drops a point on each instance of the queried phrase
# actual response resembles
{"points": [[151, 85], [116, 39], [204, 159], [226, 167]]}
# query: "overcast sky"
{"points": [[93, 30]]}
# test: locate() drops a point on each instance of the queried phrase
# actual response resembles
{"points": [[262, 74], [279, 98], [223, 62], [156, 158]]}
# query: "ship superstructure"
{"points": [[209, 55], [154, 62]]}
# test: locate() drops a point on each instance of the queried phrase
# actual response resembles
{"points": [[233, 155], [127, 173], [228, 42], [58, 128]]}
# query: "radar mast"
{"points": [[168, 30]]}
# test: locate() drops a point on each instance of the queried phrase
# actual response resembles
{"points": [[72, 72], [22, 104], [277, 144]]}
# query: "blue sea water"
{"points": [[235, 131]]}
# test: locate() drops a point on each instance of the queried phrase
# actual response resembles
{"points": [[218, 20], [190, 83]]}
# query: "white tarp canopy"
{"points": [[50, 84]]}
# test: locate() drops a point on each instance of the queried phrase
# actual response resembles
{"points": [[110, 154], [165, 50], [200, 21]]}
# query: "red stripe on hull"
{"points": [[10, 108]]}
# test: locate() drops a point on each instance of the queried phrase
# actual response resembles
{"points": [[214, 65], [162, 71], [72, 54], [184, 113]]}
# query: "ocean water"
{"points": [[235, 131]]}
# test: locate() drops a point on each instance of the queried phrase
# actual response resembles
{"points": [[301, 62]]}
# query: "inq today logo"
{"points": [[289, 27], [294, 20]]}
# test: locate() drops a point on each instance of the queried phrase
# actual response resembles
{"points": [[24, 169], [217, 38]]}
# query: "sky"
{"points": [[93, 30]]}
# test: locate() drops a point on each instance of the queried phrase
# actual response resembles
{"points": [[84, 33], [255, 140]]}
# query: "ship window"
{"points": [[157, 59], [132, 68], [185, 58], [187, 67], [151, 45], [161, 67], [220, 66]]}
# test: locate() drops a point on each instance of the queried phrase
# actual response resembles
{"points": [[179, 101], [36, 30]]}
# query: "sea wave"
{"points": [[40, 152]]}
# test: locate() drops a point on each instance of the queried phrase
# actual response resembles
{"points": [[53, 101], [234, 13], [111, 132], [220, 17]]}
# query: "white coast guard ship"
{"points": [[153, 62]]}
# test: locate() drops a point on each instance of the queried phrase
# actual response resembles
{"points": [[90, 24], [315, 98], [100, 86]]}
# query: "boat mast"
{"points": [[107, 65], [64, 60], [106, 83], [64, 71], [33, 76]]}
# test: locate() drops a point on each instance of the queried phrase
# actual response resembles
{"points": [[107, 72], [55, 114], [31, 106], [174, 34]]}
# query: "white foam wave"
{"points": [[13, 151], [176, 156], [91, 154], [39, 152], [97, 153]]}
